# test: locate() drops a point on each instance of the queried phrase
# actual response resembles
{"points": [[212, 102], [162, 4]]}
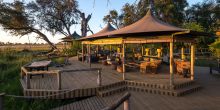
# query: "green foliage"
{"points": [[72, 51], [193, 26], [203, 41], [215, 47], [113, 18], [170, 11], [55, 16], [19, 21], [206, 14], [59, 60]]}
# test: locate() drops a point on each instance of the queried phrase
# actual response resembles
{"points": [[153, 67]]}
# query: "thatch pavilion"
{"points": [[149, 29]]}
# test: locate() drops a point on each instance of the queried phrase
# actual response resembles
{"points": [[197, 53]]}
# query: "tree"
{"points": [[171, 11], [202, 41], [206, 13], [55, 16], [15, 19], [84, 20], [113, 18], [60, 15]]}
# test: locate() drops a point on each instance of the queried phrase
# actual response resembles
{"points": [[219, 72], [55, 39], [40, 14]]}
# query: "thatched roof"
{"points": [[147, 25], [71, 38], [106, 29]]}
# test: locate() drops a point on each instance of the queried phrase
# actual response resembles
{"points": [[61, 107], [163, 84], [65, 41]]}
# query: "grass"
{"points": [[10, 63]]}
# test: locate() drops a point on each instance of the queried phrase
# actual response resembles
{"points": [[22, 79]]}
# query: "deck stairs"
{"points": [[162, 89]]}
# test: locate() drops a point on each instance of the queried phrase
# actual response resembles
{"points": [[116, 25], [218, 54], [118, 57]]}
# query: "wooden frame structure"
{"points": [[147, 30]]}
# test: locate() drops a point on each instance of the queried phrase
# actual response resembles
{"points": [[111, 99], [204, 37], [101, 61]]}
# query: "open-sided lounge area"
{"points": [[138, 36]]}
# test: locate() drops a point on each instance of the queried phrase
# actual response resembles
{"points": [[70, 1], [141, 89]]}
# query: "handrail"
{"points": [[76, 70], [25, 72], [124, 99]]}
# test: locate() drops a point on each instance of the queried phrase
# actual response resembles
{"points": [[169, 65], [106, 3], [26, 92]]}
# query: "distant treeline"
{"points": [[31, 47]]}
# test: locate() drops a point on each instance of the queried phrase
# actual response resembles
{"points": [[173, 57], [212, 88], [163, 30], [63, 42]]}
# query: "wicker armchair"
{"points": [[144, 67], [183, 68]]}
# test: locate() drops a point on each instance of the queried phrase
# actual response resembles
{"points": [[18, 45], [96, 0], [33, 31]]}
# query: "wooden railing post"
{"points": [[59, 80], [126, 104], [124, 99], [99, 79], [2, 101], [28, 81]]}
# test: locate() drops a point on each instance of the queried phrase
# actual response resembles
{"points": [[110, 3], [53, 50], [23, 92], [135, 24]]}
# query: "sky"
{"points": [[98, 9]]}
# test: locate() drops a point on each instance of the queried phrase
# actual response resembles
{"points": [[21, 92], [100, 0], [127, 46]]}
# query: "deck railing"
{"points": [[124, 99], [27, 74]]}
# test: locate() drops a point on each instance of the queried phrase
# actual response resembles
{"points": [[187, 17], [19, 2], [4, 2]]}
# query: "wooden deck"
{"points": [[206, 99], [82, 84]]}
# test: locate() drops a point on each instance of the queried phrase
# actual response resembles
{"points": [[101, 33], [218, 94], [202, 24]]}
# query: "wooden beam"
{"points": [[142, 49], [82, 53], [123, 60], [110, 49], [89, 55], [28, 85], [59, 80], [78, 70], [171, 65], [182, 53], [192, 61]]}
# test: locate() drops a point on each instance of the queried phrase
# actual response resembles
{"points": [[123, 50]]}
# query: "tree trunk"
{"points": [[44, 37], [84, 22]]}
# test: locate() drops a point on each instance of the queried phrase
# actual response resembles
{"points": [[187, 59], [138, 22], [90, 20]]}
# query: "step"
{"points": [[112, 91], [159, 86], [109, 86], [148, 85], [179, 92], [188, 90], [151, 90], [183, 85]]}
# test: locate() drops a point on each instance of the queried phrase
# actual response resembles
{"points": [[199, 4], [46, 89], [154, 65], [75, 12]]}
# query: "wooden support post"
{"points": [[28, 85], [2, 101], [97, 50], [142, 50], [59, 80], [99, 79], [126, 104], [82, 53], [123, 60], [110, 49], [182, 53], [90, 55], [192, 61], [171, 65]]}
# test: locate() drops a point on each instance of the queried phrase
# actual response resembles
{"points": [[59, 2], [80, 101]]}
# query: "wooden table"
{"points": [[39, 65]]}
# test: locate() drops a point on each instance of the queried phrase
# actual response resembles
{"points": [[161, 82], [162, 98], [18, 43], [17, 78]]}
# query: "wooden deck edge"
{"points": [[86, 92]]}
